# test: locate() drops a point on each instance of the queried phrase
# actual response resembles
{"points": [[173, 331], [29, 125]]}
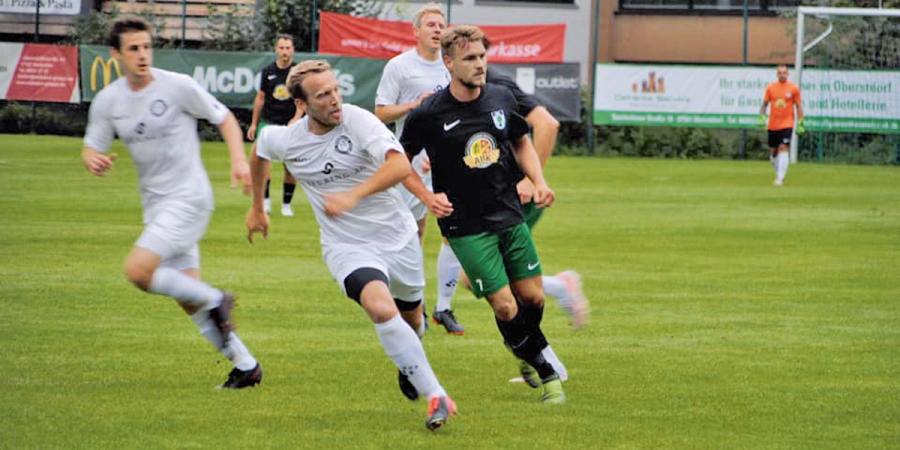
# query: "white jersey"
{"points": [[337, 161], [158, 125], [406, 77]]}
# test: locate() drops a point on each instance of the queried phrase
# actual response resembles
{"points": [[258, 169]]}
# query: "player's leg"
{"points": [[448, 274], [783, 159], [774, 141], [290, 184], [407, 284]]}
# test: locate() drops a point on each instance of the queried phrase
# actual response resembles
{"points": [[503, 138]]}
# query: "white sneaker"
{"points": [[267, 205], [578, 304], [286, 210], [778, 182]]}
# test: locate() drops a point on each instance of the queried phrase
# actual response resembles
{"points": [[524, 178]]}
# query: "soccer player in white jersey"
{"points": [[347, 161], [154, 112], [409, 78]]}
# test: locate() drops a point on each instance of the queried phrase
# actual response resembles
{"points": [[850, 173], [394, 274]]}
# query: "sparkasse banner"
{"points": [[864, 101]]}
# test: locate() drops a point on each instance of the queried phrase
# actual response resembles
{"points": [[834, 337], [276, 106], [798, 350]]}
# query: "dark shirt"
{"points": [[526, 104], [470, 145], [279, 106]]}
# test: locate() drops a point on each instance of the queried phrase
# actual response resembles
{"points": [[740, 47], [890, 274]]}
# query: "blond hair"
{"points": [[299, 73], [429, 8], [461, 35]]}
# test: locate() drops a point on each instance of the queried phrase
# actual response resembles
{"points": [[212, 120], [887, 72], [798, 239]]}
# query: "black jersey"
{"points": [[279, 107], [526, 104], [470, 147]]}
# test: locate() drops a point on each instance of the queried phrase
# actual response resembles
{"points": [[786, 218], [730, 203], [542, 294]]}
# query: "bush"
{"points": [[15, 118]]}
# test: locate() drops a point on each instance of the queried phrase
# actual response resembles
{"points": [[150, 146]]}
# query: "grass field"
{"points": [[727, 313]]}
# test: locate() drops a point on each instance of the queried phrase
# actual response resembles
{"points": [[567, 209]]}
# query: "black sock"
{"points": [[268, 182], [533, 317], [288, 193], [526, 342]]}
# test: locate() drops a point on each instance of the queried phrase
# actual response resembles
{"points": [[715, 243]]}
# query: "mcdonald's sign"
{"points": [[106, 66]]}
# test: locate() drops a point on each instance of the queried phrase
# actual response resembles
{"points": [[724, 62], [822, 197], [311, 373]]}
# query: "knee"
{"points": [[138, 275], [504, 310]]}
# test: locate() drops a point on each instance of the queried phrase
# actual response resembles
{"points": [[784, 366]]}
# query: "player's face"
{"points": [[429, 32], [135, 53], [323, 99], [284, 51], [782, 74], [468, 64]]}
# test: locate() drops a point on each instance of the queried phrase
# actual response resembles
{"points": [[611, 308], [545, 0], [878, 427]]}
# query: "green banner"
{"points": [[836, 124], [233, 77]]}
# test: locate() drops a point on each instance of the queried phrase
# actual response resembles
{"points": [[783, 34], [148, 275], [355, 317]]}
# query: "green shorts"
{"points": [[491, 260], [532, 214]]}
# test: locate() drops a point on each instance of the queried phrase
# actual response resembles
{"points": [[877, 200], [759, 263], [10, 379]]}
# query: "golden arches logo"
{"points": [[106, 66]]}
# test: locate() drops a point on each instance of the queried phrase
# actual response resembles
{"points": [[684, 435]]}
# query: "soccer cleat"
{"points": [[778, 182], [529, 375], [406, 386], [239, 379], [448, 320], [286, 210], [579, 309], [439, 411], [267, 205], [221, 317], [553, 391]]}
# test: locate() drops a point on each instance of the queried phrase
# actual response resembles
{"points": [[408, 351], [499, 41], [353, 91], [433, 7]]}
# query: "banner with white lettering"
{"points": [[39, 72], [61, 7], [555, 86], [865, 101]]}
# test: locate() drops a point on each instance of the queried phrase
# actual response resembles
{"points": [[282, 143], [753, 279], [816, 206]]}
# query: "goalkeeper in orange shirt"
{"points": [[783, 95]]}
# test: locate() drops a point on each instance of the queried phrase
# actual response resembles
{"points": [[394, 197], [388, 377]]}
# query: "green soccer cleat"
{"points": [[529, 374], [553, 391]]}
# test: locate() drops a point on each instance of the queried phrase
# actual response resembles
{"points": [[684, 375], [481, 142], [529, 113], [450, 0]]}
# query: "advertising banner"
{"points": [[556, 86], [233, 77], [861, 101], [39, 72], [341, 34], [62, 7]]}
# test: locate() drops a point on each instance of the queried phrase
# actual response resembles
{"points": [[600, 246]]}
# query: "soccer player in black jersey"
{"points": [[476, 143]]}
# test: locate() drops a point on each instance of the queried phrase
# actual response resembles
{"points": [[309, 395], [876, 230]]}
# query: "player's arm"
{"points": [[438, 203], [97, 163], [531, 165], [231, 133], [258, 103], [545, 130], [257, 220], [390, 113], [395, 168]]}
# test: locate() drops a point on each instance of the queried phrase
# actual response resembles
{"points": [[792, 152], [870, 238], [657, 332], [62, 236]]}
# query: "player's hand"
{"points": [[544, 196], [240, 172], [439, 205], [425, 164], [761, 121], [339, 203], [257, 222], [800, 129], [97, 163], [423, 97], [251, 132], [525, 188]]}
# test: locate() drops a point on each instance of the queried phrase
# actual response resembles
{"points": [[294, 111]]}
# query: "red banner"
{"points": [[41, 72], [345, 35]]}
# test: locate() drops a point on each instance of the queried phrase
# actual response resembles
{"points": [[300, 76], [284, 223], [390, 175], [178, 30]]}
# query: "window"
{"points": [[701, 6]]}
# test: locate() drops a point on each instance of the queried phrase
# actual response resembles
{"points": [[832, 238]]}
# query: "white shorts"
{"points": [[403, 268], [172, 230]]}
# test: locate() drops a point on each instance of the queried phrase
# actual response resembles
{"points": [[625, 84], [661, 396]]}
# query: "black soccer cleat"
{"points": [[239, 379], [406, 387], [448, 320]]}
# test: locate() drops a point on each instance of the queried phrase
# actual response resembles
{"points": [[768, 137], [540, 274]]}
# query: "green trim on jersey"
{"points": [[491, 260]]}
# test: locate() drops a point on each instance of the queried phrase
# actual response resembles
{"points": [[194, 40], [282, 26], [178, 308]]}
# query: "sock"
{"points": [[556, 288], [235, 351], [554, 361], [268, 182], [772, 160], [423, 327], [525, 344], [170, 282], [782, 162], [288, 193], [402, 346], [448, 268]]}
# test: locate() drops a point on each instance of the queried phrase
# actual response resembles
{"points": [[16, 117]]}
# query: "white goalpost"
{"points": [[826, 14]]}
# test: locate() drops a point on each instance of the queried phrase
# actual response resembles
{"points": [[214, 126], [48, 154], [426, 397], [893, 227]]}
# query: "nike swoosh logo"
{"points": [[449, 126], [532, 266], [272, 77]]}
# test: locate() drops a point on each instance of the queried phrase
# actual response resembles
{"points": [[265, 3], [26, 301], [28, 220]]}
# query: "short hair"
{"points": [[283, 36], [299, 73], [429, 8], [461, 35], [780, 66], [126, 24]]}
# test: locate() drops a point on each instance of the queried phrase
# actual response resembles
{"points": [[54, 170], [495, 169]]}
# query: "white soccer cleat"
{"points": [[267, 205], [778, 182], [579, 310], [287, 211]]}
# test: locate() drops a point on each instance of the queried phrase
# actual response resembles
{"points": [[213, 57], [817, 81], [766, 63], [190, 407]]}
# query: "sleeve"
{"points": [[410, 137], [264, 85], [797, 95], [374, 137], [517, 126], [100, 132], [525, 102], [199, 103], [388, 91], [767, 97], [270, 143]]}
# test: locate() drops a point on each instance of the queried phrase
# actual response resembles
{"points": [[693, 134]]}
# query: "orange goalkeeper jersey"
{"points": [[781, 98]]}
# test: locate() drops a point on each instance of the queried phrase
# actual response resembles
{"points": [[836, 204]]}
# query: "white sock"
{"points": [[402, 346], [772, 160], [554, 361], [556, 288], [187, 290], [235, 351], [448, 268], [423, 326], [782, 162]]}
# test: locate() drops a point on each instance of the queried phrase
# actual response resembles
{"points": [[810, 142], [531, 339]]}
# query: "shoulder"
{"points": [[496, 78], [175, 79], [354, 115], [498, 92]]}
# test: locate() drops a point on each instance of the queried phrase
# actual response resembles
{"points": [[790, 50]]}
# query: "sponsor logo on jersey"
{"points": [[449, 126], [481, 151], [281, 93], [780, 103], [499, 119], [158, 108], [328, 167], [343, 145]]}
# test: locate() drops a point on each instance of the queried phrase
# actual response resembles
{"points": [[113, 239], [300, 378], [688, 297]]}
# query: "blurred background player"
{"points": [[154, 112], [273, 105], [409, 78], [783, 95]]}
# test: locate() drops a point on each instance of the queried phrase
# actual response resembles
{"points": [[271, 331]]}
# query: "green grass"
{"points": [[727, 313]]}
